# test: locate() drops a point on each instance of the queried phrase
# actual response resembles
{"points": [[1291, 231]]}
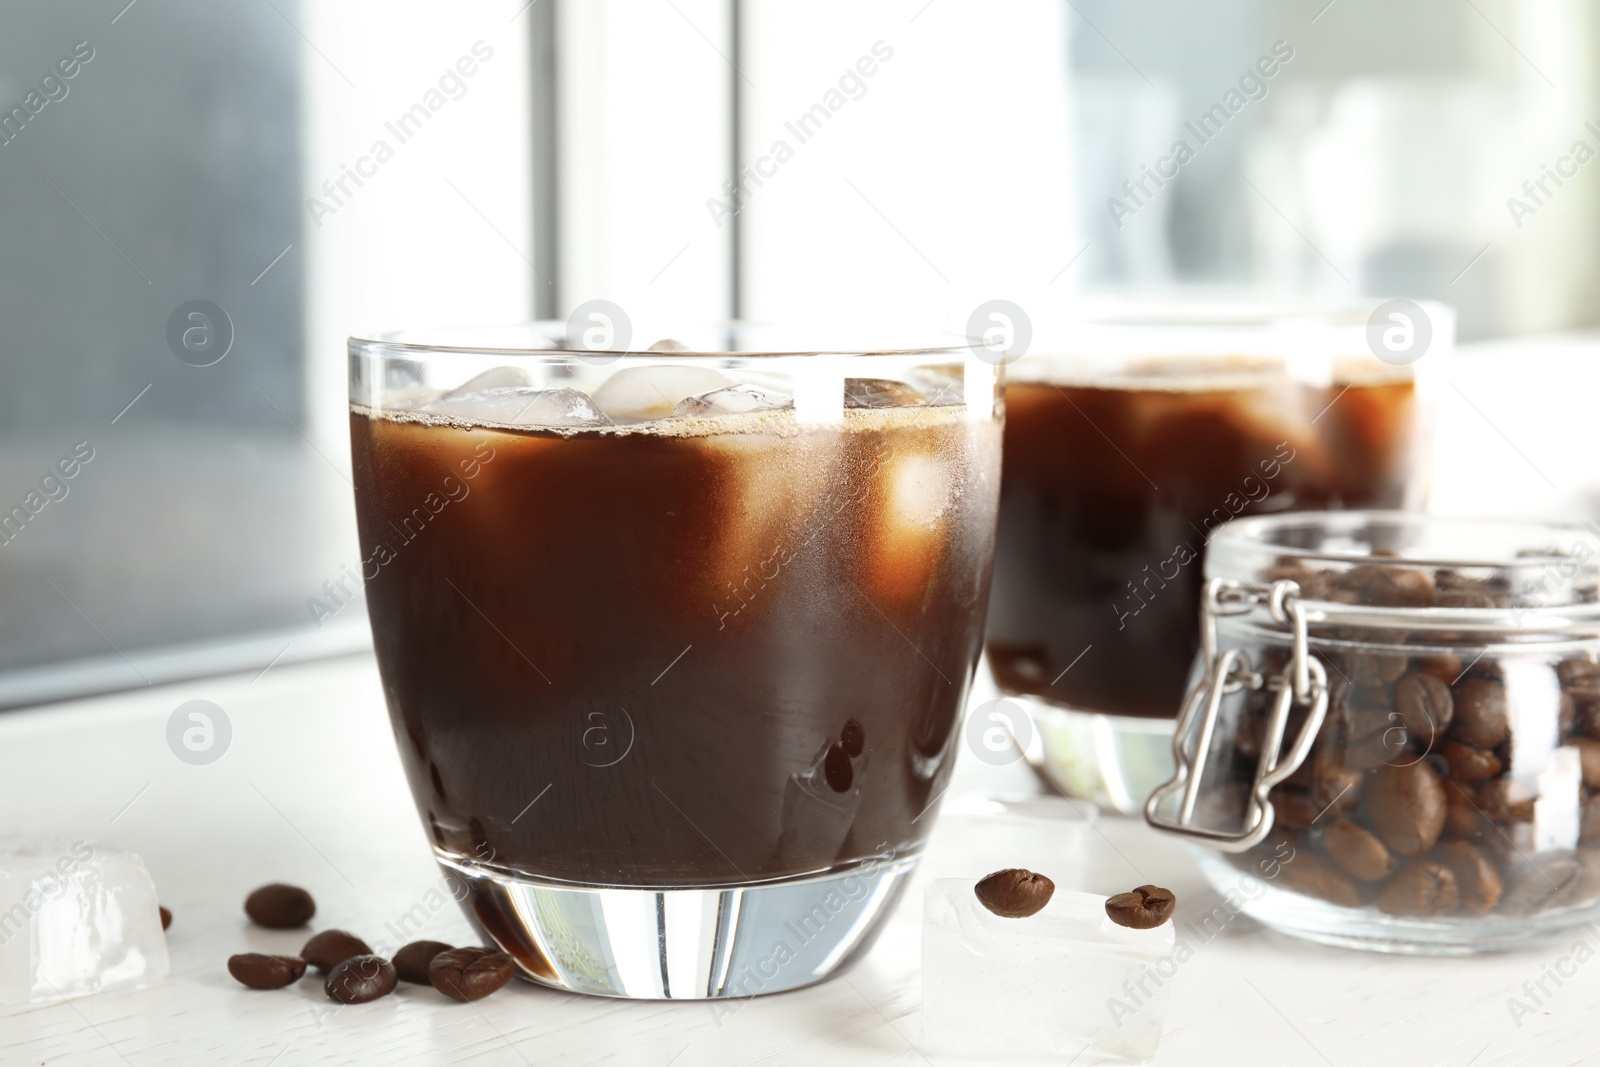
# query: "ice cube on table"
{"points": [[522, 405], [734, 400], [75, 918], [639, 394], [1045, 987]]}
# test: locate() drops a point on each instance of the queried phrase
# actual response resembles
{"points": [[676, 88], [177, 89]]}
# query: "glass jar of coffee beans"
{"points": [[1392, 735]]}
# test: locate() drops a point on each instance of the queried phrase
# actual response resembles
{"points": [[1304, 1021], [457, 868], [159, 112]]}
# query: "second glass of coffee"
{"points": [[1126, 445]]}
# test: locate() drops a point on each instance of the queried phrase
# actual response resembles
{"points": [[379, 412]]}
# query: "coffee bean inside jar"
{"points": [[1440, 787]]}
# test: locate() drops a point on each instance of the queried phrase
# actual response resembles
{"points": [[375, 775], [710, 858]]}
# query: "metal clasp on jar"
{"points": [[1303, 682]]}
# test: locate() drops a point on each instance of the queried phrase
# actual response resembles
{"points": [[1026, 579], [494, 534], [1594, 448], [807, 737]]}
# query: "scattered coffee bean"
{"points": [[1424, 705], [1358, 852], [166, 917], [1476, 875], [411, 962], [836, 769], [1407, 805], [1481, 719], [361, 979], [328, 949], [1424, 888], [853, 738], [280, 907], [470, 973], [1316, 877], [259, 971], [1014, 893], [1144, 908], [1589, 758], [1468, 764]]}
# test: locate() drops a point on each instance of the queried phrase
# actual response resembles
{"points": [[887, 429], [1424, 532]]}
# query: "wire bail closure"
{"points": [[1303, 682]]}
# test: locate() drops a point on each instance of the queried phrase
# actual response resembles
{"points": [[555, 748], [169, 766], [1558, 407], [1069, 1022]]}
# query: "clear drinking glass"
{"points": [[674, 642], [1133, 431]]}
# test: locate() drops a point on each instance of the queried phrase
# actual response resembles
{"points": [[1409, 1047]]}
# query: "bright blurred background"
{"points": [[317, 169]]}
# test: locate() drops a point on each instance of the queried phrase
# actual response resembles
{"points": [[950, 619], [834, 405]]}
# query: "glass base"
{"points": [[682, 943], [1114, 760], [1371, 930]]}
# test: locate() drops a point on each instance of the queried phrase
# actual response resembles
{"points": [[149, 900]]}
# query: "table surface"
{"points": [[310, 791]]}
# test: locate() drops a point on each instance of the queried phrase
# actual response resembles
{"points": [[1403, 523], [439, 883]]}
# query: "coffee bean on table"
{"points": [[280, 907], [411, 962], [1468, 764], [328, 949], [470, 973], [1481, 718], [166, 917], [1425, 888], [1357, 851], [260, 971], [1316, 877], [1476, 875], [1425, 707], [1144, 908], [360, 979], [1014, 893], [1406, 805]]}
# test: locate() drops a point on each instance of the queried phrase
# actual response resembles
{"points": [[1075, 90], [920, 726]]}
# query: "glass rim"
{"points": [[460, 340]]}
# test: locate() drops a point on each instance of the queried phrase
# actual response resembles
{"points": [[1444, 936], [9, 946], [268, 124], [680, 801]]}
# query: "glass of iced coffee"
{"points": [[675, 641], [1135, 429]]}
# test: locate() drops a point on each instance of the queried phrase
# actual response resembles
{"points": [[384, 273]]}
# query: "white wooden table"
{"points": [[310, 792]]}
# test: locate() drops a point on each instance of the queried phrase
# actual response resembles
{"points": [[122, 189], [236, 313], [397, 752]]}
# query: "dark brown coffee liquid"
{"points": [[634, 658], [1110, 492]]}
